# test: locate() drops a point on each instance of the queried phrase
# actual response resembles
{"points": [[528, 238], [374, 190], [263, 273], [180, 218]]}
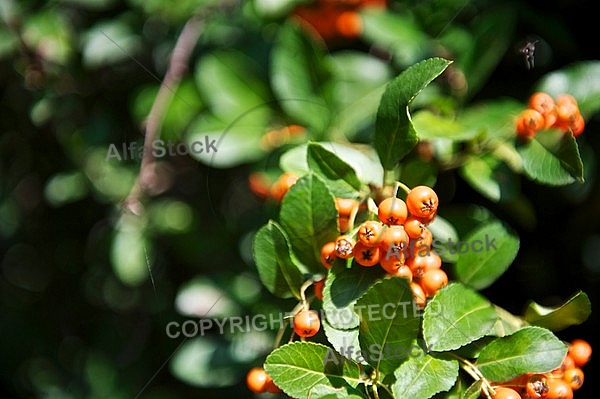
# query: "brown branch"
{"points": [[177, 68]]}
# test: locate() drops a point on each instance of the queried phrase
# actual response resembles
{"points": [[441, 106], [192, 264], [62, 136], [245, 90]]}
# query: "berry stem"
{"points": [[398, 185]]}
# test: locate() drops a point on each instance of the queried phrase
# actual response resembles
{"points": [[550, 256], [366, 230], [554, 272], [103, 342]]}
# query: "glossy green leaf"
{"points": [[388, 320], [552, 158], [574, 311], [309, 217], [343, 338], [579, 79], [456, 316], [494, 118], [423, 376], [342, 289], [231, 86], [491, 250], [327, 392], [339, 176], [277, 268], [490, 177], [361, 158], [395, 135], [529, 350], [299, 367], [299, 73]]}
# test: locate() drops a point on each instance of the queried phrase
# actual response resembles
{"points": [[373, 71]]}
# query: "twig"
{"points": [[177, 68]]}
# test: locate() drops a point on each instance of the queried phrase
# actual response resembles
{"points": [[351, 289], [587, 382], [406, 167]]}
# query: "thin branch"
{"points": [[177, 68]]}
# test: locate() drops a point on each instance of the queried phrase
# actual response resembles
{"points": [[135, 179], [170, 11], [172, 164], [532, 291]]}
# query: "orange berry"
{"points": [[328, 254], [318, 287], [344, 246], [349, 24], [257, 380], [345, 206], [559, 389], [393, 243], [566, 114], [365, 256], [529, 122], [574, 377], [505, 393], [369, 233], [581, 351], [421, 264], [418, 294], [344, 224], [392, 263], [537, 386], [413, 227], [432, 281], [577, 125], [541, 102], [392, 211], [422, 202], [402, 271], [566, 99], [259, 184], [306, 323], [282, 185]]}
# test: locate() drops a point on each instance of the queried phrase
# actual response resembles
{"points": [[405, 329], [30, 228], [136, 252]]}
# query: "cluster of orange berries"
{"points": [[335, 20], [545, 112], [556, 384], [399, 241]]}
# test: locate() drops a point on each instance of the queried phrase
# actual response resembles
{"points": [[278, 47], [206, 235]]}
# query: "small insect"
{"points": [[528, 51]]}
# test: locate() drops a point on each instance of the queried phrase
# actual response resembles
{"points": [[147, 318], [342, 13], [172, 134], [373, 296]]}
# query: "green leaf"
{"points": [[309, 216], [342, 338], [299, 73], [490, 177], [578, 79], [277, 267], [416, 172], [552, 158], [423, 376], [395, 135], [230, 83], [456, 316], [327, 392], [299, 367], [342, 289], [339, 176], [473, 391], [388, 320], [432, 126], [491, 250], [361, 158], [494, 118], [529, 350], [398, 33], [574, 311]]}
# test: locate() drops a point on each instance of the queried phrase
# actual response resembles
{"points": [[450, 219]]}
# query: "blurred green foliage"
{"points": [[87, 290]]}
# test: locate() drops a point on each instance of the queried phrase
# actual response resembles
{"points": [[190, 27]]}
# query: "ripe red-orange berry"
{"points": [[529, 122], [581, 351], [257, 380], [392, 211], [422, 202], [366, 256], [318, 287], [307, 323], [432, 281], [418, 294], [401, 271], [559, 389], [328, 254], [537, 386], [369, 233], [505, 393], [344, 246], [349, 24], [573, 377], [345, 206]]}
